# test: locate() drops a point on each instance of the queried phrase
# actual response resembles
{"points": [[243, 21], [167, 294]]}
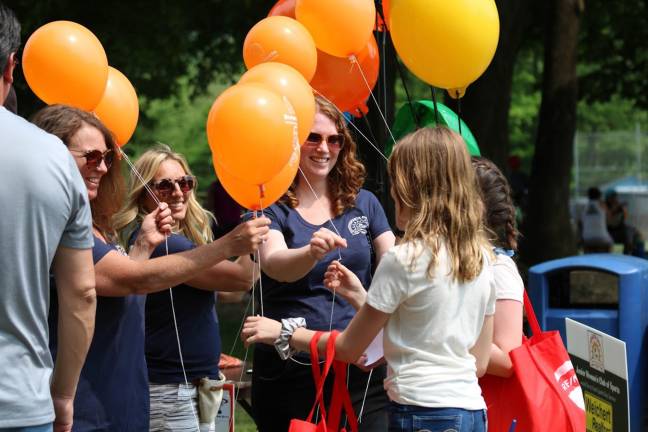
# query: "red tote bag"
{"points": [[340, 399], [543, 394]]}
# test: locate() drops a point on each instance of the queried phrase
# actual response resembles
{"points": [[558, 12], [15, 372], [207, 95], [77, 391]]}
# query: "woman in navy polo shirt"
{"points": [[112, 394], [173, 400], [324, 216]]}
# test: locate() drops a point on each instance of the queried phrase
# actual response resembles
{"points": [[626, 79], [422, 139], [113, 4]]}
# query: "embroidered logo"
{"points": [[358, 225]]}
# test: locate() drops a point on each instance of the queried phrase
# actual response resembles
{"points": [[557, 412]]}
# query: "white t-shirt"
{"points": [[594, 225], [506, 279], [433, 325]]}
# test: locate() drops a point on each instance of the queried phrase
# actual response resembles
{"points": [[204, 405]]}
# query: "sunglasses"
{"points": [[95, 157], [167, 186], [335, 141]]}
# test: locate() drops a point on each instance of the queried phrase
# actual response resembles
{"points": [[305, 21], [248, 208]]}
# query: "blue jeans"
{"points": [[40, 428], [410, 418]]}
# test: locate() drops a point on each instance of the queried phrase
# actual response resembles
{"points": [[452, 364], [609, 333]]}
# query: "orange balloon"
{"points": [[283, 40], [286, 81], [252, 132], [283, 8], [339, 27], [64, 63], [250, 195], [340, 80], [119, 107]]}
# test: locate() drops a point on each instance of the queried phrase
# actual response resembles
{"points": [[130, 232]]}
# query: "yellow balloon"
{"points": [[447, 44]]}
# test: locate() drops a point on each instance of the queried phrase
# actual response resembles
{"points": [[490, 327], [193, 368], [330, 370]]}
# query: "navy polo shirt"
{"points": [[307, 297], [112, 394], [195, 311]]}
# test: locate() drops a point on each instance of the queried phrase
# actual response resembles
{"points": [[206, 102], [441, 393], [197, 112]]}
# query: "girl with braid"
{"points": [[499, 220]]}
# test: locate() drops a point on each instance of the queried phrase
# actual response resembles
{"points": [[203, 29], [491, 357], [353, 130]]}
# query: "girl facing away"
{"points": [[432, 294], [499, 219]]}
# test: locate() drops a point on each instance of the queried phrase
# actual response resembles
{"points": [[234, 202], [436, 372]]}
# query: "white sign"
{"points": [[602, 369]]}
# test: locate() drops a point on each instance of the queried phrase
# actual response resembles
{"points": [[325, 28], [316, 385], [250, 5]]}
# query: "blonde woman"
{"points": [[113, 387], [431, 293], [170, 179]]}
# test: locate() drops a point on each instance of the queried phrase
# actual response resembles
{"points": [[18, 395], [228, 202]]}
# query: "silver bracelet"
{"points": [[282, 343]]}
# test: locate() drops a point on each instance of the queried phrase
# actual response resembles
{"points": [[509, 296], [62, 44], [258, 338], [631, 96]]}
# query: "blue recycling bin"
{"points": [[604, 291]]}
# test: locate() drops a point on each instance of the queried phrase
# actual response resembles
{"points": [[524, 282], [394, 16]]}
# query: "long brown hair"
{"points": [[432, 176], [64, 122], [499, 211], [347, 176]]}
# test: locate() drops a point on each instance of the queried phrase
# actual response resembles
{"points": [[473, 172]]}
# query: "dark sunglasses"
{"points": [[95, 157], [314, 139], [167, 186]]}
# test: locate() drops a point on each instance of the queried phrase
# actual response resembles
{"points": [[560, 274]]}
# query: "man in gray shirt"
{"points": [[45, 222]]}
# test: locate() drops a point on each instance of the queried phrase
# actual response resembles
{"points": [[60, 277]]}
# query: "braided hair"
{"points": [[499, 211]]}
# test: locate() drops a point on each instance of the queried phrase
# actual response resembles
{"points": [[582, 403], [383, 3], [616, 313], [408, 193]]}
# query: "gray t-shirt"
{"points": [[44, 205]]}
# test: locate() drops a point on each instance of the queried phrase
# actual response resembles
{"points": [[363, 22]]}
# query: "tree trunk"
{"points": [[547, 230], [485, 107]]}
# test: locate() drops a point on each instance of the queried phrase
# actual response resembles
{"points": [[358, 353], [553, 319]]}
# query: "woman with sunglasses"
{"points": [[173, 401], [324, 216], [113, 388]]}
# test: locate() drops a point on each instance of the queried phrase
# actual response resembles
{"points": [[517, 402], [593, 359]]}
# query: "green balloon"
{"points": [[405, 123]]}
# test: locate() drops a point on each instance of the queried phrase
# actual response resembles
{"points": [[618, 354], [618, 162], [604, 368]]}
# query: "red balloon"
{"points": [[341, 79], [283, 8]]}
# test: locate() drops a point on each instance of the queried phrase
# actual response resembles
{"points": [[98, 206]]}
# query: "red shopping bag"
{"points": [[543, 394], [340, 399]]}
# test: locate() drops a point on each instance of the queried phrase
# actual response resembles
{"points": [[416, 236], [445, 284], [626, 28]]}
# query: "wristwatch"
{"points": [[282, 343]]}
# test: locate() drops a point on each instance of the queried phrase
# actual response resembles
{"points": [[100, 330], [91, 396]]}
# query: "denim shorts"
{"points": [[410, 418], [40, 428]]}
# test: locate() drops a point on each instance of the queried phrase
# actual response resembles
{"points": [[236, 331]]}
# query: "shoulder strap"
{"points": [[320, 379], [531, 316]]}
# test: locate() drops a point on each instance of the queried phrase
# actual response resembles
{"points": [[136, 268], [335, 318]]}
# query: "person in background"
{"points": [[619, 229], [181, 381], [113, 389], [594, 232], [432, 294], [325, 215], [46, 224]]}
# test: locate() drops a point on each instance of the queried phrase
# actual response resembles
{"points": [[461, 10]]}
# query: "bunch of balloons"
{"points": [[64, 63], [255, 127]]}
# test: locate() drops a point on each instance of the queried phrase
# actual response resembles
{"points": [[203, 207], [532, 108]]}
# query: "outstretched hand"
{"points": [[246, 237], [345, 283], [259, 329], [324, 241]]}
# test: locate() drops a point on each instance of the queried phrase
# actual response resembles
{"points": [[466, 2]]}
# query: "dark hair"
{"points": [[64, 122], [499, 211], [9, 34], [594, 193], [347, 176]]}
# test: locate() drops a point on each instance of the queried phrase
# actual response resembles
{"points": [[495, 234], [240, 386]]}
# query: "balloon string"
{"points": [[166, 244], [353, 126], [354, 59], [317, 198], [399, 68], [434, 102], [384, 68], [379, 10], [459, 111]]}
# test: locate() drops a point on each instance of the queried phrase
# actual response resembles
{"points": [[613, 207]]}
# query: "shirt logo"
{"points": [[358, 225]]}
